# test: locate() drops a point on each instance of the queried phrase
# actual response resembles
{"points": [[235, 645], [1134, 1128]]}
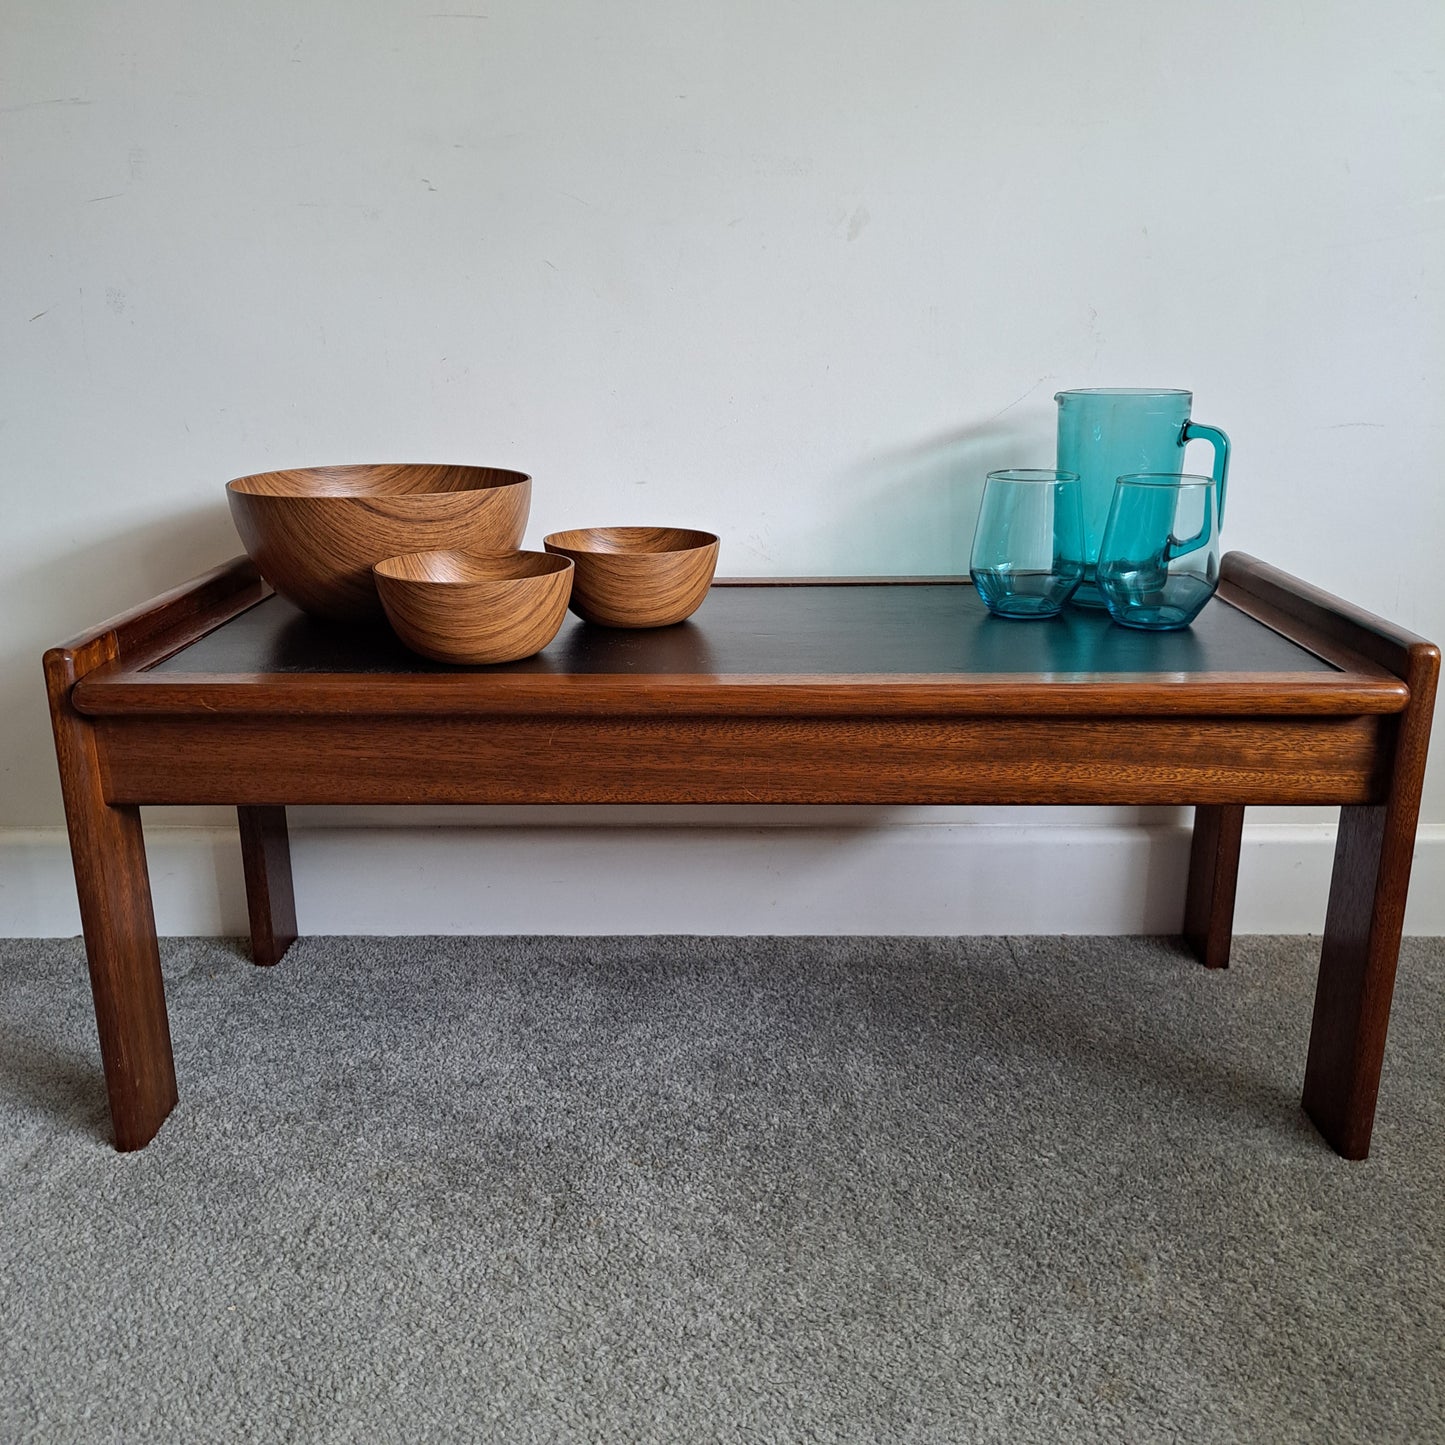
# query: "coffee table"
{"points": [[883, 691]]}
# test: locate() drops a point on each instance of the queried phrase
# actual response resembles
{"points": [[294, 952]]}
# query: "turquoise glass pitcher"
{"points": [[1113, 431]]}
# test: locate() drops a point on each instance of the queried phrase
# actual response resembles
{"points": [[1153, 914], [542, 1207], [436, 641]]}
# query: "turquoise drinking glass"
{"points": [[1159, 560], [1113, 431], [1028, 547]]}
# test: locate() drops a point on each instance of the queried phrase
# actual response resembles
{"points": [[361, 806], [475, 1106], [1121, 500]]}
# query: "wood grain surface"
{"points": [[121, 692], [556, 757], [637, 576], [1213, 879], [142, 636], [1364, 921], [316, 532], [458, 608], [859, 693], [107, 849], [266, 866], [1374, 847]]}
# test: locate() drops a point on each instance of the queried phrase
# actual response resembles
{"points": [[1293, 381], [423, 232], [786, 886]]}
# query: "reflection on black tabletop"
{"points": [[1078, 641], [816, 631], [682, 648]]}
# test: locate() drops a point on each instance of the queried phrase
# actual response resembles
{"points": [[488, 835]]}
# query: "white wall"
{"points": [[798, 272]]}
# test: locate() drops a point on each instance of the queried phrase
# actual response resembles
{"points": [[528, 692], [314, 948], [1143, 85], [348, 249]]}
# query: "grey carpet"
{"points": [[683, 1189]]}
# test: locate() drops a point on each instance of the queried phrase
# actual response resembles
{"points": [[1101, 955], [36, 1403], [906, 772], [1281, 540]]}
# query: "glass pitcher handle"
{"points": [[1197, 431]]}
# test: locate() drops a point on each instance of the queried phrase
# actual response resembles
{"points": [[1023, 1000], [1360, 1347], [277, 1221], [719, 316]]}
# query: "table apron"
{"points": [[338, 760]]}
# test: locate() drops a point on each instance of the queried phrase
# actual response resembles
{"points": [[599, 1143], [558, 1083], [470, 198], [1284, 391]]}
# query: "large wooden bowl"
{"points": [[637, 576], [456, 607], [314, 533]]}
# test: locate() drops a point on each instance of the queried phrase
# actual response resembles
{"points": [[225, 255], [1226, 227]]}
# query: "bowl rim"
{"points": [[699, 541], [501, 477], [543, 575]]}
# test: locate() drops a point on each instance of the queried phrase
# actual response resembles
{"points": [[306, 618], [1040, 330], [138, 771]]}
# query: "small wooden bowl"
{"points": [[315, 532], [637, 576], [456, 607]]}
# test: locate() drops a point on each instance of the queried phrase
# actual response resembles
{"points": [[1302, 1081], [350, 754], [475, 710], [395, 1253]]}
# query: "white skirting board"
{"points": [[754, 876]]}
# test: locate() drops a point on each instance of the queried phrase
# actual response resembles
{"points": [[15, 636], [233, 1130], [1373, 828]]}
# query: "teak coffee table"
{"points": [[880, 691]]}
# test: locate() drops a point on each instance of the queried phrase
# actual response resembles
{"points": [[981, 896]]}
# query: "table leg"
{"points": [[1361, 946], [113, 884], [1213, 875], [270, 901], [1363, 924]]}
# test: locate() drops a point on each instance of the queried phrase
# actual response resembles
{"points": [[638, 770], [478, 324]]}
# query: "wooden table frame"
{"points": [[1355, 736]]}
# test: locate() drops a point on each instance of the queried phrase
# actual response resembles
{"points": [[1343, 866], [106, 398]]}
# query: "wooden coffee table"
{"points": [[850, 691]]}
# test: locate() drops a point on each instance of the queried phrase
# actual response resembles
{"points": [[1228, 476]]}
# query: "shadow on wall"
{"points": [[129, 566], [912, 511]]}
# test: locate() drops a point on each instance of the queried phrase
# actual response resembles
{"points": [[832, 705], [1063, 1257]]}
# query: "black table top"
{"points": [[775, 630]]}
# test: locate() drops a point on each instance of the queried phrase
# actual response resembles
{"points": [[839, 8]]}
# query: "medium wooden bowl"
{"points": [[314, 533], [456, 607], [637, 576]]}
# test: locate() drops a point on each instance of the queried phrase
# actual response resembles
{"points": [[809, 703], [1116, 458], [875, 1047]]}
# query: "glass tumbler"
{"points": [[1028, 547], [1159, 559]]}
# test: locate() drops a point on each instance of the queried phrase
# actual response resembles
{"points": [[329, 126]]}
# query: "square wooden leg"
{"points": [[270, 901], [1213, 876], [1358, 956], [111, 880]]}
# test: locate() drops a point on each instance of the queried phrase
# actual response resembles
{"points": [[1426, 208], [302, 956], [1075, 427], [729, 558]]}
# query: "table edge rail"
{"points": [[106, 668], [108, 692]]}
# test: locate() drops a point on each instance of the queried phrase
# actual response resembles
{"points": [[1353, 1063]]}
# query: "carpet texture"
{"points": [[688, 1189]]}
